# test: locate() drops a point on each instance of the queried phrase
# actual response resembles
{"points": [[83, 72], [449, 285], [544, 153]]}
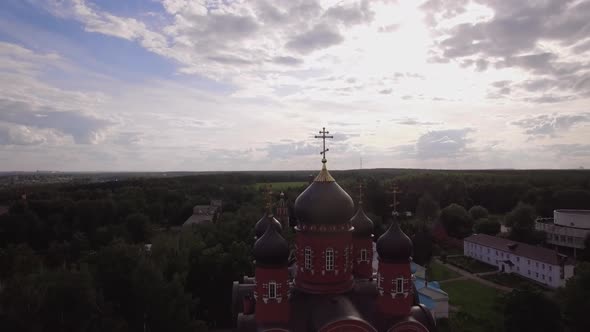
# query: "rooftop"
{"points": [[519, 249]]}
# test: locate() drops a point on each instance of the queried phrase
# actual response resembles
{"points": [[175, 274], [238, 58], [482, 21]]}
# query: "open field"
{"points": [[439, 272], [470, 264], [477, 306], [513, 280]]}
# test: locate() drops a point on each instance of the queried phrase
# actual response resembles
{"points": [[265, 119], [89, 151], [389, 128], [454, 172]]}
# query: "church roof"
{"points": [[324, 202], [394, 244], [540, 254]]}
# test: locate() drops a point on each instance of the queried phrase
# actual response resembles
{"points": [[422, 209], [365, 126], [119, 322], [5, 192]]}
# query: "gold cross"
{"points": [[269, 198], [360, 192], [393, 190], [323, 137]]}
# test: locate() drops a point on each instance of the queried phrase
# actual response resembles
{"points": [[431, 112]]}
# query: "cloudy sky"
{"points": [[240, 85]]}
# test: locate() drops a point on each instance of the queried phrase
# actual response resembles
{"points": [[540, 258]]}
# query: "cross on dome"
{"points": [[323, 137]]}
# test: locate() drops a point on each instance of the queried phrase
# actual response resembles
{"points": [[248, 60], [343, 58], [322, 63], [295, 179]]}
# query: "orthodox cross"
{"points": [[323, 137], [394, 191], [269, 198], [360, 192]]}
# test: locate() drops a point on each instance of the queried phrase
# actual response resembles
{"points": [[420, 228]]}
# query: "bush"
{"points": [[487, 226], [478, 212]]}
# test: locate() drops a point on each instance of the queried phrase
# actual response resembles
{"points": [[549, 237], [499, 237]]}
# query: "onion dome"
{"points": [[271, 248], [394, 245], [363, 225], [424, 316], [324, 202], [263, 223]]}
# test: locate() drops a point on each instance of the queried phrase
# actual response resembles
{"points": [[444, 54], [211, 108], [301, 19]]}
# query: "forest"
{"points": [[73, 257]]}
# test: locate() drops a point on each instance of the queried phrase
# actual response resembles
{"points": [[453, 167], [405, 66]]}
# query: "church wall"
{"points": [[318, 278], [269, 309], [362, 269]]}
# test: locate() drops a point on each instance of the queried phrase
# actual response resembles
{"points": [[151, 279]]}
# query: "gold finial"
{"points": [[323, 137], [393, 190], [269, 200]]}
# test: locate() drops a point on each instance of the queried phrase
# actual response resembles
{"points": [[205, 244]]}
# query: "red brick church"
{"points": [[331, 286]]}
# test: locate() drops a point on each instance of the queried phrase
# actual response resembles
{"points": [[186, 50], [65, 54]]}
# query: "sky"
{"points": [[192, 85]]}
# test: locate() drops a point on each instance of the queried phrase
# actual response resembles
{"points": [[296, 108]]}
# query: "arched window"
{"points": [[307, 258], [272, 290], [329, 259], [364, 255]]}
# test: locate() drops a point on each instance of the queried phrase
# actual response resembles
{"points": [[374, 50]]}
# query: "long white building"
{"points": [[567, 228], [539, 264]]}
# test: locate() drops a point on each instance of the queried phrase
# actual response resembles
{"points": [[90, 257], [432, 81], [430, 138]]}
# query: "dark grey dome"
{"points": [[394, 245], [363, 225], [424, 316], [263, 223], [271, 248], [324, 202]]}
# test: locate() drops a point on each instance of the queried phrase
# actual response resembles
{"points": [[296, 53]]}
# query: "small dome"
{"points": [[263, 223], [363, 225], [394, 245], [271, 248], [324, 202]]}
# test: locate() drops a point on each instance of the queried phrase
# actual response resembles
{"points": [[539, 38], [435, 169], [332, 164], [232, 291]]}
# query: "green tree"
{"points": [[423, 246], [138, 227], [487, 226], [521, 220], [456, 221], [478, 212], [427, 209], [575, 298], [527, 310]]}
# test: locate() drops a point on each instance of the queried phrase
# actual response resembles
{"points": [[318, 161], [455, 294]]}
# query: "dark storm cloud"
{"points": [[83, 128], [443, 143], [319, 37], [551, 125]]}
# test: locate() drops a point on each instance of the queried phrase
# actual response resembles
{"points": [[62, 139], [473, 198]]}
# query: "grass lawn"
{"points": [[478, 307], [513, 281], [439, 272], [278, 186], [470, 264]]}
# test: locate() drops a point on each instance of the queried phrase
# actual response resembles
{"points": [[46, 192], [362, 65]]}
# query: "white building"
{"points": [[539, 264], [567, 228]]}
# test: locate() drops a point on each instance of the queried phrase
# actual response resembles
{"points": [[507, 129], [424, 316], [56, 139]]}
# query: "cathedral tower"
{"points": [[324, 235], [271, 291], [362, 240], [394, 277]]}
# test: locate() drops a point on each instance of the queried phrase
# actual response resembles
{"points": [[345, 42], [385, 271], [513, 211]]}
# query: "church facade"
{"points": [[331, 286]]}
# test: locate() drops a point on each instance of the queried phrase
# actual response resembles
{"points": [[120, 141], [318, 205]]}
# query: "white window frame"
{"points": [[307, 258], [329, 259], [272, 290], [399, 285], [364, 255]]}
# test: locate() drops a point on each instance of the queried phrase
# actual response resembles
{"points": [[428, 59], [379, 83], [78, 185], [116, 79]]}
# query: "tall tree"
{"points": [[527, 310], [427, 209], [456, 220], [575, 299]]}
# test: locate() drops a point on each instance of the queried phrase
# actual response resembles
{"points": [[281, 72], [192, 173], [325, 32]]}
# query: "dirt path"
{"points": [[468, 275]]}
